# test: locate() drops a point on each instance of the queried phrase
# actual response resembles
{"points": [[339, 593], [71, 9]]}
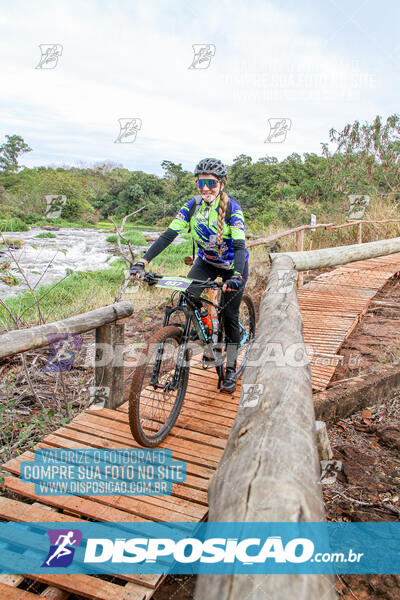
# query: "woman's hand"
{"points": [[234, 284], [137, 270]]}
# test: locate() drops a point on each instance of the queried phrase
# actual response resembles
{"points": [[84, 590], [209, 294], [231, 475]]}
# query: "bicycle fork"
{"points": [[171, 385]]}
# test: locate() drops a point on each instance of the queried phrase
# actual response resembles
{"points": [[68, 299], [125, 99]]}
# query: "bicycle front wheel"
{"points": [[153, 411]]}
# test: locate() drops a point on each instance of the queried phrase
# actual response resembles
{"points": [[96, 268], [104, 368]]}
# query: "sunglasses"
{"points": [[210, 183]]}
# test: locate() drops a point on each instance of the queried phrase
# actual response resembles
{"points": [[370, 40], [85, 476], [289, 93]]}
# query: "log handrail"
{"points": [[277, 236], [109, 326], [270, 468], [340, 255], [21, 340]]}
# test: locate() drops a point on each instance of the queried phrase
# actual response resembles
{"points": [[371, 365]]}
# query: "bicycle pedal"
{"points": [[207, 362]]}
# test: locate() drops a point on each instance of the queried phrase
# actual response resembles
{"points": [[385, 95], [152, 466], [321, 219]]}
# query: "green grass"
{"points": [[84, 291], [78, 293], [135, 237], [45, 235], [172, 258], [103, 225]]}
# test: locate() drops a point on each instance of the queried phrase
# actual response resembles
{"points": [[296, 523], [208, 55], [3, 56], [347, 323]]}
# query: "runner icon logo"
{"points": [[62, 542]]}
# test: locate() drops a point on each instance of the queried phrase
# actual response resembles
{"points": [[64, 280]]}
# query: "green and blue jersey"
{"points": [[204, 231]]}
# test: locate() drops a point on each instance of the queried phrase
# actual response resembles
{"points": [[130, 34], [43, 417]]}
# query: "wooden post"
{"points": [[118, 366], [103, 375], [359, 233], [300, 248], [270, 469]]}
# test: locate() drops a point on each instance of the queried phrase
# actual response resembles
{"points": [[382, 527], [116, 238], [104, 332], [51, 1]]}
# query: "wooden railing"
{"points": [[299, 232], [269, 471], [108, 322]]}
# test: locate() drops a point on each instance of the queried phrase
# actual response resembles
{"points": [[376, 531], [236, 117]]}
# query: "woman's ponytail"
{"points": [[223, 203]]}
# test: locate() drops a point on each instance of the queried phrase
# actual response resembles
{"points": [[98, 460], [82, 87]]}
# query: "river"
{"points": [[45, 260]]}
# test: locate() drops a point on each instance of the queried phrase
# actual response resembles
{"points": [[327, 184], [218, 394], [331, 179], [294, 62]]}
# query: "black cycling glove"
{"points": [[235, 282], [137, 269]]}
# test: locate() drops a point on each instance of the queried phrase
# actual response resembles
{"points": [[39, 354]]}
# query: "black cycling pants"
{"points": [[230, 300]]}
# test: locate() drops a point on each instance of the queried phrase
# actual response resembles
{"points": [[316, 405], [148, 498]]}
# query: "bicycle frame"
{"points": [[192, 314]]}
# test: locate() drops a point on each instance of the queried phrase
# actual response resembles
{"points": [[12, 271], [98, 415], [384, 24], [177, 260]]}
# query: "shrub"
{"points": [[135, 237], [45, 235], [13, 224]]}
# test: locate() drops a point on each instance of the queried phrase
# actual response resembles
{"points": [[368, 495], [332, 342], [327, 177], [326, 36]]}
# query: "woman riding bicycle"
{"points": [[221, 250]]}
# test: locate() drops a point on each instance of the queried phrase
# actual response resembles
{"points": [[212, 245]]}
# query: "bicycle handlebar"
{"points": [[151, 278]]}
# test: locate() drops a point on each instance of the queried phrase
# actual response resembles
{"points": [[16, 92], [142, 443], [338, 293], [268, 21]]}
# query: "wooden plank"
{"points": [[8, 592], [120, 417], [121, 425], [197, 465], [14, 510], [92, 587], [77, 504], [92, 440], [13, 580]]}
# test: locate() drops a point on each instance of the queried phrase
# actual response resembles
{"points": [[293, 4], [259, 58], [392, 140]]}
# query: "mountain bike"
{"points": [[160, 380]]}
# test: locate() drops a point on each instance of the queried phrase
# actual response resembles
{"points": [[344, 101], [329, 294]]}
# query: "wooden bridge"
{"points": [[331, 306]]}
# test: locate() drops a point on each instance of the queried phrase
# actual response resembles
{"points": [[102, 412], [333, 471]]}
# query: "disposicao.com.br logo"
{"points": [[191, 547], [213, 550]]}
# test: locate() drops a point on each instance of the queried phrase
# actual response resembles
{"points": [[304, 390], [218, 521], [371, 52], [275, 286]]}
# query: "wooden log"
{"points": [[351, 223], [21, 340], [329, 257], [277, 236], [270, 469], [384, 304], [300, 248]]}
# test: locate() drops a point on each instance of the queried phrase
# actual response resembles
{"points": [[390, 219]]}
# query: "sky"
{"points": [[310, 65]]}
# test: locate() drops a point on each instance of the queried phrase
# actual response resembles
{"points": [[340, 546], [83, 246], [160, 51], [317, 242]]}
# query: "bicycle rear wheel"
{"points": [[153, 412]]}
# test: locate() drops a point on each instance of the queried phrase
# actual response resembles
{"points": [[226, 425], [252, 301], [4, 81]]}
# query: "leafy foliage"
{"points": [[361, 159], [10, 151]]}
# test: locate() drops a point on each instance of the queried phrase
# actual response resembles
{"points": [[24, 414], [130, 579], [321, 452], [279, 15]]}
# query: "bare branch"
{"points": [[26, 281], [120, 237]]}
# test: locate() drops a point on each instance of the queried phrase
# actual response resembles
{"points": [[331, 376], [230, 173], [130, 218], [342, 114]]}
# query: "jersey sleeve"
{"points": [[181, 221], [237, 222]]}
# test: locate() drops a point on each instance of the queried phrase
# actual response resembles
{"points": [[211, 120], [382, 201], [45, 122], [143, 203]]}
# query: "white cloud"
{"points": [[131, 60]]}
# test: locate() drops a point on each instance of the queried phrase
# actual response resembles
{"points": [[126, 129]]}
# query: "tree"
{"points": [[367, 156], [9, 152]]}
